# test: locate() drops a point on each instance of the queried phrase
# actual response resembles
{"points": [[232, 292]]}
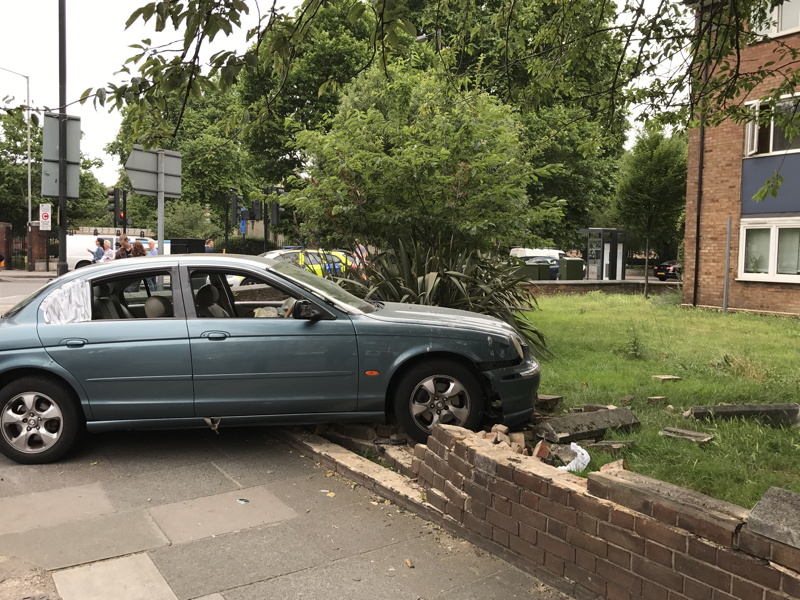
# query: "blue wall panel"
{"points": [[756, 171]]}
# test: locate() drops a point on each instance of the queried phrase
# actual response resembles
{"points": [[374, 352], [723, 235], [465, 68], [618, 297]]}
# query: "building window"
{"points": [[770, 250], [771, 138]]}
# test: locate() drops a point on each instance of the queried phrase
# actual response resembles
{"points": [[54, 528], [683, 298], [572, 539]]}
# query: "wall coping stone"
{"points": [[777, 516], [703, 515]]}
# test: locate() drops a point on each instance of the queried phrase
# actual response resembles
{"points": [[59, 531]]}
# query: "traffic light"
{"points": [[257, 211], [236, 207], [275, 211], [112, 199], [123, 212]]}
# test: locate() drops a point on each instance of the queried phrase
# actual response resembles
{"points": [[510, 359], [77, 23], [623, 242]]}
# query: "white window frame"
{"points": [[752, 129], [777, 14], [773, 225]]}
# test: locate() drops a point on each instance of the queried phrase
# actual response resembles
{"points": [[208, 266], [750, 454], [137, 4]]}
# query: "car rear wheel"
{"points": [[39, 420], [662, 278], [437, 391]]}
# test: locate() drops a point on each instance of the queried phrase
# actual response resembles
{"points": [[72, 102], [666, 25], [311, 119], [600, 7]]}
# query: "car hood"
{"points": [[438, 316]]}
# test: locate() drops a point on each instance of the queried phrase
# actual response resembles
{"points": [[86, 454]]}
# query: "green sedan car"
{"points": [[166, 342]]}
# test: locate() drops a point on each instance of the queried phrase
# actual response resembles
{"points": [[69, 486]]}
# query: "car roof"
{"points": [[212, 260]]}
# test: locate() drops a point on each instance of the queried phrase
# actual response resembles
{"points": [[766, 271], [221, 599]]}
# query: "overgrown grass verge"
{"points": [[606, 347]]}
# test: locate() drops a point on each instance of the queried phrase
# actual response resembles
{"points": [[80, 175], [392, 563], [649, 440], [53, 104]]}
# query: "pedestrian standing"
{"points": [[98, 251], [125, 247], [151, 247], [209, 245]]}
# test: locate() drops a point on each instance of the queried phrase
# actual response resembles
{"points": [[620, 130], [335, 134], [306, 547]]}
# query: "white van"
{"points": [[77, 245], [527, 252]]}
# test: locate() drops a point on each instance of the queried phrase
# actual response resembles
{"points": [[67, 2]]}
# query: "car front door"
{"points": [[253, 359], [131, 365]]}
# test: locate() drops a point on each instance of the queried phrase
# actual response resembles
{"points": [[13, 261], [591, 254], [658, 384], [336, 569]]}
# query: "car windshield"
{"points": [[322, 286]]}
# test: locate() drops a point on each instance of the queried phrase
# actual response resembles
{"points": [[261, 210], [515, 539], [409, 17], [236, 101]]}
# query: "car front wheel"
{"points": [[39, 420], [437, 391]]}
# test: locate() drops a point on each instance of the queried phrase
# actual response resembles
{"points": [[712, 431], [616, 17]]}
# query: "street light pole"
{"points": [[28, 110]]}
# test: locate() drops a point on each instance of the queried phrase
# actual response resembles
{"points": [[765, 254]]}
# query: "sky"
{"points": [[97, 45]]}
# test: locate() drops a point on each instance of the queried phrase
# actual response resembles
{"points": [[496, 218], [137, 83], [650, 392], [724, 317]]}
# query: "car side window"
{"points": [[238, 294], [142, 296]]}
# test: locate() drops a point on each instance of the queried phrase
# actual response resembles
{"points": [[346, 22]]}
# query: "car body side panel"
{"points": [[129, 368], [273, 366]]}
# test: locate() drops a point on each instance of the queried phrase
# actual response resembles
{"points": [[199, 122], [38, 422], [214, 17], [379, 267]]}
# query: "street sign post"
{"points": [[45, 213], [155, 173], [50, 155]]}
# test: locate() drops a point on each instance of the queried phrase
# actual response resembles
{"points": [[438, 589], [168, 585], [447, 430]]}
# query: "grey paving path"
{"points": [[235, 516]]}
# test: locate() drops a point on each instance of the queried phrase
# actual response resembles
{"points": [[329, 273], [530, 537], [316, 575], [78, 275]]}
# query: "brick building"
{"points": [[727, 164]]}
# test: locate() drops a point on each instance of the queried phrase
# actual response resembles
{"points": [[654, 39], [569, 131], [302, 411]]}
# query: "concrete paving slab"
{"points": [[127, 578], [184, 483], [220, 514], [84, 541], [212, 597], [45, 509], [439, 563], [136, 452], [239, 441], [506, 584], [222, 563], [279, 462], [76, 469], [354, 578], [356, 528], [310, 493]]}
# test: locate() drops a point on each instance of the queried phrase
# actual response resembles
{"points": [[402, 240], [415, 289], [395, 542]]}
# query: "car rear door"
{"points": [[130, 366], [245, 364]]}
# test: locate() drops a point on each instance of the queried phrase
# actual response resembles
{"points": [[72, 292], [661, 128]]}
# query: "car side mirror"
{"points": [[303, 309]]}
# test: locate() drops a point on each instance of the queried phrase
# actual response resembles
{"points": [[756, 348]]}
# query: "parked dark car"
{"points": [[670, 269], [545, 260], [168, 342]]}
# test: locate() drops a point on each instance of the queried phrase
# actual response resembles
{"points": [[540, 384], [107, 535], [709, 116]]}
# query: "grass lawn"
{"points": [[608, 346]]}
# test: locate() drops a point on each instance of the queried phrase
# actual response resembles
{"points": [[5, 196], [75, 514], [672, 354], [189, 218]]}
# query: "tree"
{"points": [[181, 220], [581, 176], [213, 159], [538, 40], [14, 169], [410, 160], [651, 194], [336, 49]]}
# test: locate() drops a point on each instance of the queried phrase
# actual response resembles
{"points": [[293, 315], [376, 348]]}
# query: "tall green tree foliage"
{"points": [[408, 159], [336, 48], [651, 194], [14, 169], [541, 40], [213, 160], [582, 173]]}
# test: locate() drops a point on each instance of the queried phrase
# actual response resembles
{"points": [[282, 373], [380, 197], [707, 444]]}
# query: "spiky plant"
{"points": [[449, 277]]}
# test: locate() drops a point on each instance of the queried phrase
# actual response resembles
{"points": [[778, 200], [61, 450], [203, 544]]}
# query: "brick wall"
{"points": [[617, 535], [722, 174]]}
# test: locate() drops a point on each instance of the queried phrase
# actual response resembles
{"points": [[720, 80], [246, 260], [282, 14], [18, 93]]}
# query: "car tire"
{"points": [[83, 263], [248, 281], [660, 278], [437, 391], [56, 415]]}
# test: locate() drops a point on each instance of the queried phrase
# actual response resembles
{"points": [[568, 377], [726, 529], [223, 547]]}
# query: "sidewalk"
{"points": [[239, 515]]}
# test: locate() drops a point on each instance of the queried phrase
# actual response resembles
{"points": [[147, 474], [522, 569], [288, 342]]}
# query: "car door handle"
{"points": [[74, 343], [215, 335]]}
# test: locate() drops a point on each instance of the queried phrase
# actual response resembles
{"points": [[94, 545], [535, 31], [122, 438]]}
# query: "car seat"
{"points": [[156, 307], [205, 302]]}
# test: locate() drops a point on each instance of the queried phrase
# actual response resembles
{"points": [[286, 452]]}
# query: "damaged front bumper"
{"points": [[513, 390]]}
